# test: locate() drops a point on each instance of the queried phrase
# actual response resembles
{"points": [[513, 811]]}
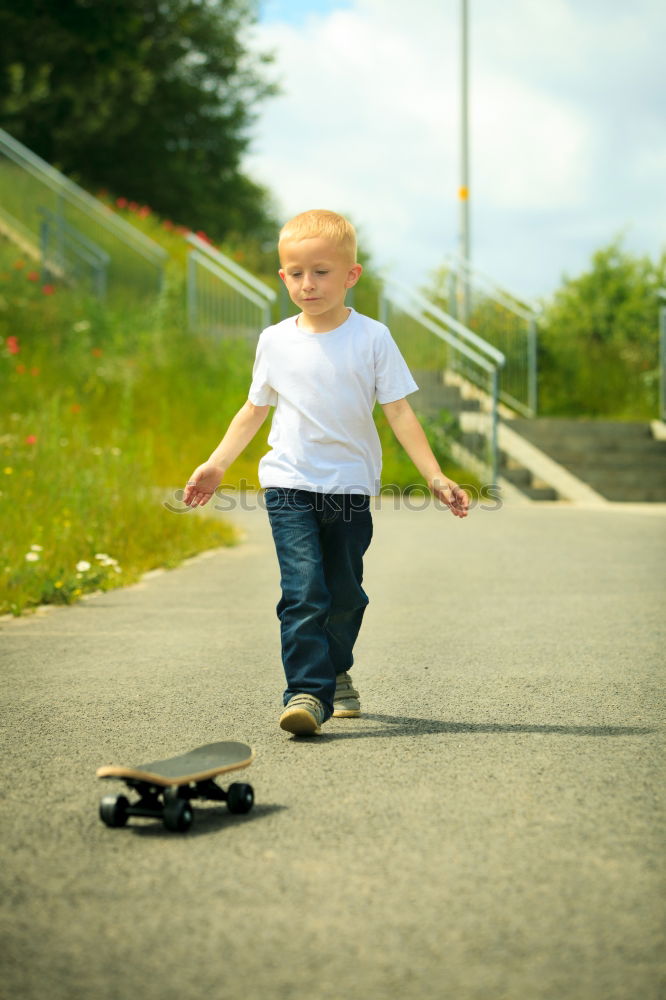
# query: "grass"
{"points": [[94, 428]]}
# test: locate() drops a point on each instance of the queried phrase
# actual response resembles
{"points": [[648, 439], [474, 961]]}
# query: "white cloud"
{"points": [[565, 120]]}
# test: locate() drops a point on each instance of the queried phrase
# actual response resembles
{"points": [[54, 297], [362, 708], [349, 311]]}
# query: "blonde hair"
{"points": [[319, 222]]}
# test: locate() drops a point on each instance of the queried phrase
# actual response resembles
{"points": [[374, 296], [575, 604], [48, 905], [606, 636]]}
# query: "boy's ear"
{"points": [[353, 275], [282, 274]]}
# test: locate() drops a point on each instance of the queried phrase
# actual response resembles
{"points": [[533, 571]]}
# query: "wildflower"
{"points": [[36, 548], [75, 408], [32, 275], [32, 557], [13, 345], [115, 452], [82, 566], [34, 372], [8, 471], [31, 439], [133, 206], [106, 560], [168, 224], [58, 584], [48, 289], [144, 212], [121, 202], [20, 369], [18, 264], [81, 326], [97, 352]]}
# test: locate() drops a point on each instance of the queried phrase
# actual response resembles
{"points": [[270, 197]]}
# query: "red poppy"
{"points": [[13, 345], [121, 202], [32, 275], [31, 439], [48, 289]]}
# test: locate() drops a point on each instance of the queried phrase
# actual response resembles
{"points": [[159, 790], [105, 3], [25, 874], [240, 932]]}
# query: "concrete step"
{"points": [[619, 460], [434, 395], [558, 428]]}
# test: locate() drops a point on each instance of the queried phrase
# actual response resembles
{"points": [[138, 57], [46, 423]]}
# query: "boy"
{"points": [[322, 371]]}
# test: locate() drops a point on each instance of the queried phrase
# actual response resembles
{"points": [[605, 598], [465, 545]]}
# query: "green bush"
{"points": [[598, 341]]}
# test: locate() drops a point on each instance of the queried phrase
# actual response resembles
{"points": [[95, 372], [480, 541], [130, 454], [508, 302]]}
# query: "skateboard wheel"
{"points": [[240, 797], [178, 815], [113, 810]]}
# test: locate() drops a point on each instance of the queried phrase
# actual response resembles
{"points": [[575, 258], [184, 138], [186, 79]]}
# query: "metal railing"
{"points": [[65, 252], [662, 354], [32, 190], [506, 321], [223, 299], [434, 343]]}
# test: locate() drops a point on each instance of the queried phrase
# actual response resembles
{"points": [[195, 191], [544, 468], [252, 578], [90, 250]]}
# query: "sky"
{"points": [[567, 129]]}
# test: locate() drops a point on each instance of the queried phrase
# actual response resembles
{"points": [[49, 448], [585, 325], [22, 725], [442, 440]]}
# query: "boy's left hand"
{"points": [[450, 494]]}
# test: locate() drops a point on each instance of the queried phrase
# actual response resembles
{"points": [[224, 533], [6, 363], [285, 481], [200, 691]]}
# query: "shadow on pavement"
{"points": [[397, 725], [207, 820]]}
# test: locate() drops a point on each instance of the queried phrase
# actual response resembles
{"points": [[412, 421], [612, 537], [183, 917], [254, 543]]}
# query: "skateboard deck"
{"points": [[166, 787]]}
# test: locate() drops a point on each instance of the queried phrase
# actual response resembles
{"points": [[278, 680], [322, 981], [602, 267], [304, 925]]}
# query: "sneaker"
{"points": [[303, 715], [346, 702]]}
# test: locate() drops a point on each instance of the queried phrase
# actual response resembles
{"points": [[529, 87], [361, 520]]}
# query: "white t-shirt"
{"points": [[323, 387]]}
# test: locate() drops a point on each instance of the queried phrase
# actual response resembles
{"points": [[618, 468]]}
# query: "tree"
{"points": [[598, 339], [152, 99]]}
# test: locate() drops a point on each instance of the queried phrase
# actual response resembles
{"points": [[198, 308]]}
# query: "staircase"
{"points": [[619, 460]]}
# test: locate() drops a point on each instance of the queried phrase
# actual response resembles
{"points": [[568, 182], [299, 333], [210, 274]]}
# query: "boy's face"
{"points": [[317, 275]]}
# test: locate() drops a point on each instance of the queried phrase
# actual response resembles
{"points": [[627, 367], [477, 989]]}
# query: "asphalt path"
{"points": [[492, 828]]}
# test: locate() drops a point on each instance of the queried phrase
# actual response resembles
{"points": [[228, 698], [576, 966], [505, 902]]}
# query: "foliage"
{"points": [[598, 353], [152, 99], [100, 419]]}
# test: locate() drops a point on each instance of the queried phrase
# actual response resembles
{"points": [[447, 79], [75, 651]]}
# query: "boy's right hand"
{"points": [[202, 484]]}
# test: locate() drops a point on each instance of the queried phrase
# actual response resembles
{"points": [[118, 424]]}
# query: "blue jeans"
{"points": [[320, 540]]}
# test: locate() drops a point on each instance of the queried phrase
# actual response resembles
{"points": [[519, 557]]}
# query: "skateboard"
{"points": [[167, 787]]}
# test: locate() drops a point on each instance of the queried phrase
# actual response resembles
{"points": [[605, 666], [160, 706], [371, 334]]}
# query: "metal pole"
{"points": [[532, 356], [463, 192], [662, 358], [494, 420]]}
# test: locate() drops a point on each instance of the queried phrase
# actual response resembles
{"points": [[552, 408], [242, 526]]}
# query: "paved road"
{"points": [[491, 829]]}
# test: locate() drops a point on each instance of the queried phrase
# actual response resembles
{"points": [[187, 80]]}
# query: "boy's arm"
{"points": [[406, 427], [207, 477]]}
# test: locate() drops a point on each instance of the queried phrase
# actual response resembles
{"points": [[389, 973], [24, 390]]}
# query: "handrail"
{"points": [[464, 333], [504, 296], [521, 377], [53, 179], [482, 354], [228, 279], [228, 264], [661, 294]]}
